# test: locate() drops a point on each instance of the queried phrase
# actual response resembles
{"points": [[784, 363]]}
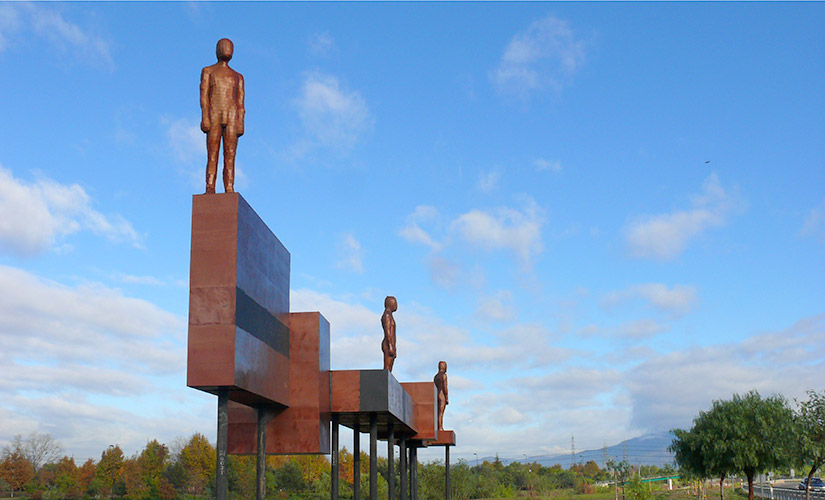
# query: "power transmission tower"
{"points": [[572, 451]]}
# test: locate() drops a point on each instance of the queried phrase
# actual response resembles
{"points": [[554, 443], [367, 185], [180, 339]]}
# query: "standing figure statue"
{"points": [[440, 381], [388, 324], [222, 115]]}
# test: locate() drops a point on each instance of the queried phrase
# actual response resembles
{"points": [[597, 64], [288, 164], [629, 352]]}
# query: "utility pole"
{"points": [[604, 454]]}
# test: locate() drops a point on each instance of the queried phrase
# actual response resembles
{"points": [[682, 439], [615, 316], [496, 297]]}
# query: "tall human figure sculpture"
{"points": [[440, 381], [388, 324], [222, 115]]}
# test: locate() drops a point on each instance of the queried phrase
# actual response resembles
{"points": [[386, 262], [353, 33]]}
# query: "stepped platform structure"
{"points": [[270, 367]]}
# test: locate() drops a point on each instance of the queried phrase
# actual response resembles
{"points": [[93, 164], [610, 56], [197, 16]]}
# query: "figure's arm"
{"points": [[446, 394], [205, 125], [241, 109]]}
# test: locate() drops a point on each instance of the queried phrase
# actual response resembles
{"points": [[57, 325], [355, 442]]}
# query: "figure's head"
{"points": [[390, 303], [442, 366], [224, 49]]}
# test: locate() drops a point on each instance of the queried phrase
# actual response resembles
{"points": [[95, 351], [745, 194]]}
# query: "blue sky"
{"points": [[603, 216]]}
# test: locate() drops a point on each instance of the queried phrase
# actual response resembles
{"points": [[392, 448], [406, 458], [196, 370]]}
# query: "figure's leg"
{"points": [[213, 145], [230, 145]]}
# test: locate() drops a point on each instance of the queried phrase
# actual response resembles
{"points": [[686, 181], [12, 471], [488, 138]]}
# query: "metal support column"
{"points": [[356, 461], [260, 465], [335, 459], [414, 472], [373, 456], [223, 429], [390, 461], [402, 454], [447, 473]]}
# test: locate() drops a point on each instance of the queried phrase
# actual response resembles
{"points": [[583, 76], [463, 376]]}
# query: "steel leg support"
{"points": [[373, 456], [223, 428]]}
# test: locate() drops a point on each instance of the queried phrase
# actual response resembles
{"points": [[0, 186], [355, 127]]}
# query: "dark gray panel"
{"points": [[256, 320], [263, 262], [374, 390]]}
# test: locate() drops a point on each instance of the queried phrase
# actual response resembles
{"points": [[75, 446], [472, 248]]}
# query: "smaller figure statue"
{"points": [[388, 324], [222, 115], [440, 381]]}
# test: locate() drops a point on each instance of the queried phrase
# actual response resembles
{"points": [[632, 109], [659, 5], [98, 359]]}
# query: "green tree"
{"points": [[809, 421], [198, 458], [67, 481], [746, 434], [108, 470]]}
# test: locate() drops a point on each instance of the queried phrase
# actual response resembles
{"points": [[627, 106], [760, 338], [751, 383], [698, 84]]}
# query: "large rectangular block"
{"points": [[357, 393], [238, 303], [425, 408], [303, 427]]}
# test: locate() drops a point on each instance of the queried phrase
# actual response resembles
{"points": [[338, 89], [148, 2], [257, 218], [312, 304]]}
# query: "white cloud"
{"points": [[139, 280], [542, 165], [343, 316], [497, 307], [488, 181], [642, 329], [36, 215], [46, 321], [504, 229], [50, 24], [331, 115], [352, 255], [545, 55], [666, 236], [786, 362], [815, 222], [186, 140], [443, 272], [413, 232], [9, 23], [677, 300], [65, 349], [320, 44]]}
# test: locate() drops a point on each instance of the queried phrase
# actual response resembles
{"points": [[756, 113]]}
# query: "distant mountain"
{"points": [[650, 449]]}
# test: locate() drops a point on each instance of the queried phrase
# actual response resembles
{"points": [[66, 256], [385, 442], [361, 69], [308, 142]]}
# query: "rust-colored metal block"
{"points": [[346, 391], [357, 393], [303, 427], [423, 396], [445, 438], [238, 303]]}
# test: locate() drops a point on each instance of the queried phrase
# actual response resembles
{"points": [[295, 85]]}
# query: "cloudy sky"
{"points": [[603, 216]]}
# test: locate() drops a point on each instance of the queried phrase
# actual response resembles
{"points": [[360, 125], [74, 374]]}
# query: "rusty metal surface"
{"points": [[238, 299], [222, 114], [423, 395], [388, 325], [440, 381], [304, 427]]}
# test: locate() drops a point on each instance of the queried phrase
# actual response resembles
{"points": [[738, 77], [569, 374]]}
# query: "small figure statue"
{"points": [[222, 115], [388, 324], [440, 381]]}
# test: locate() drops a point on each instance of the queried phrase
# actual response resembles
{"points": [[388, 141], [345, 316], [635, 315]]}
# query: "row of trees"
{"points": [[750, 435], [37, 466]]}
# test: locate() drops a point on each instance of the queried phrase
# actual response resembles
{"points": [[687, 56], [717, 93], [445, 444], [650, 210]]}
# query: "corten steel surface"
{"points": [[388, 325], [361, 392], [445, 438], [222, 115], [238, 299], [423, 395], [442, 393], [304, 427]]}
